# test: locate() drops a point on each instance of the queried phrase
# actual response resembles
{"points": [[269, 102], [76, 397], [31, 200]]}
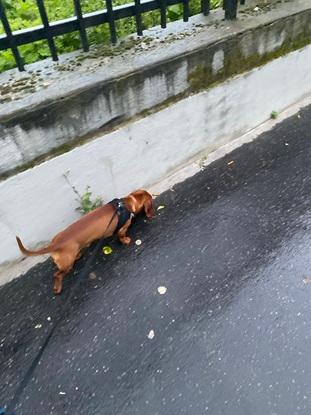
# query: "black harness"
{"points": [[123, 213]]}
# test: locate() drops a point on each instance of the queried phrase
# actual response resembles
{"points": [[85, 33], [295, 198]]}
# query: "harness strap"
{"points": [[123, 213]]}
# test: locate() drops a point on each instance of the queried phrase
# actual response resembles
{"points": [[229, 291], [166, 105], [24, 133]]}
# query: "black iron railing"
{"points": [[49, 30]]}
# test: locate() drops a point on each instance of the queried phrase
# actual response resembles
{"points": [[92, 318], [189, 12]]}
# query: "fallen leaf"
{"points": [[151, 334], [160, 207], [138, 242], [107, 250], [306, 280], [162, 290]]}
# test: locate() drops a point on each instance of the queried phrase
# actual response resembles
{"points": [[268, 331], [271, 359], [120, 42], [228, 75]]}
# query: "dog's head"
{"points": [[140, 200]]}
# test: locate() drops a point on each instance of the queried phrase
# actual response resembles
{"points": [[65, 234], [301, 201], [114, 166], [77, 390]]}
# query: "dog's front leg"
{"points": [[123, 238]]}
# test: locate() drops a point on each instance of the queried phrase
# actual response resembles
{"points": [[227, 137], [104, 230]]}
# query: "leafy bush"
{"points": [[23, 14]]}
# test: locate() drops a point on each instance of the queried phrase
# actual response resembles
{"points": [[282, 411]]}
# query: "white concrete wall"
{"points": [[38, 203], [61, 106]]}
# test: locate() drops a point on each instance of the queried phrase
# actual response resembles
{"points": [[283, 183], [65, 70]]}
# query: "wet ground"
{"points": [[232, 333]]}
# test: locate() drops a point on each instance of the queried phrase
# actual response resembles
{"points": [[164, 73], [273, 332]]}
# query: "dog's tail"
{"points": [[26, 252]]}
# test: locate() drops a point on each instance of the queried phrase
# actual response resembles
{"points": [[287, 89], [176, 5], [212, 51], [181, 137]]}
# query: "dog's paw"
{"points": [[57, 290], [126, 240], [57, 286]]}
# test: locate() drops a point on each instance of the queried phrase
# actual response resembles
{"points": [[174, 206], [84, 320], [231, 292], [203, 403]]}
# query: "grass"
{"points": [[24, 14], [274, 115]]}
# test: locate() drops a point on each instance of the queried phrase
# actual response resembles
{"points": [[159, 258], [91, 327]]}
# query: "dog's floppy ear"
{"points": [[148, 206]]}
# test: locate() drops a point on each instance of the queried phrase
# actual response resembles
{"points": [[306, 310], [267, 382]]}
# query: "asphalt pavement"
{"points": [[230, 336]]}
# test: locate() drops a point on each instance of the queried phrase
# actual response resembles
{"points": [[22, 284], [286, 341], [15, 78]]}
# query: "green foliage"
{"points": [[274, 115], [86, 202], [175, 12], [6, 60], [24, 14]]}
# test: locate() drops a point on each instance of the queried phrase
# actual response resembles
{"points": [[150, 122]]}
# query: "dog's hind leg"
{"points": [[58, 281], [64, 264]]}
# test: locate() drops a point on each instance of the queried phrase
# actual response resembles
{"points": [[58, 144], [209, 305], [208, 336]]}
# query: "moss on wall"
{"points": [[235, 61]]}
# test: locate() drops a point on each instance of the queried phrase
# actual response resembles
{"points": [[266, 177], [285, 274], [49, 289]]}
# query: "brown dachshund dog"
{"points": [[66, 247]]}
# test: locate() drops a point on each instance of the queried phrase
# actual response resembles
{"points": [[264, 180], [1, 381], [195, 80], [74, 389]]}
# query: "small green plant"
{"points": [[86, 203], [274, 115]]}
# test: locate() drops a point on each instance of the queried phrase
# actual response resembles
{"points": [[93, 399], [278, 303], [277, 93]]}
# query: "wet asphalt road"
{"points": [[232, 334]]}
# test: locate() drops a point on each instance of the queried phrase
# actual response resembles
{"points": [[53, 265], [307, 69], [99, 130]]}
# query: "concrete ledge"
{"points": [[49, 109], [37, 203]]}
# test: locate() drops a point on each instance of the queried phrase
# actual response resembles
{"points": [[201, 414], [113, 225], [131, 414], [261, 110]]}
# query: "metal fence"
{"points": [[80, 22]]}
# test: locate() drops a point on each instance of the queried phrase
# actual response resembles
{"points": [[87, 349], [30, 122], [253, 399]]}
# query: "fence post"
{"points": [[112, 25], [46, 25], [231, 7], [139, 23], [205, 7], [7, 28], [83, 35]]}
